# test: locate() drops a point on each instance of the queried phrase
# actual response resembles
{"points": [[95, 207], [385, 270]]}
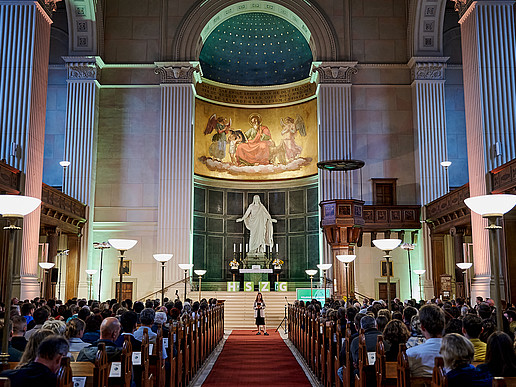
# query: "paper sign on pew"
{"points": [[165, 342], [116, 370], [371, 358], [79, 381], [137, 358], [151, 347]]}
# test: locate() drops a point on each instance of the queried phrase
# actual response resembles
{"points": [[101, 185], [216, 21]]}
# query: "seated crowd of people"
{"points": [[464, 336], [44, 331]]}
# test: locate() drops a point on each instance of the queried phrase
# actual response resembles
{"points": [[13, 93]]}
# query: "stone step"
{"points": [[239, 312]]}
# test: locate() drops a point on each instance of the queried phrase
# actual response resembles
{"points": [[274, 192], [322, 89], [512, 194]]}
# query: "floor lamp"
{"points": [[420, 273], [408, 247], [90, 272], [311, 273], [12, 208], [464, 266], [101, 246], [122, 245], [387, 245], [346, 259], [324, 267], [493, 207], [200, 273], [163, 258], [185, 267], [46, 266]]}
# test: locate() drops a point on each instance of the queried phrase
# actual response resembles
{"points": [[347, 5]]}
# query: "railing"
{"points": [[148, 296]]}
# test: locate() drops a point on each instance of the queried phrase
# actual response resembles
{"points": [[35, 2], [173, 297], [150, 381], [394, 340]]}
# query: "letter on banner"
{"points": [[248, 286], [281, 286], [265, 286], [233, 286]]}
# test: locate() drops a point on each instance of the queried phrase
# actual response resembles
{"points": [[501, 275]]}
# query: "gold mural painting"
{"points": [[255, 144]]}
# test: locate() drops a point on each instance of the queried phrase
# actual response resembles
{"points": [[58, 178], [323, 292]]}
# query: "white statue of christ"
{"points": [[259, 222]]}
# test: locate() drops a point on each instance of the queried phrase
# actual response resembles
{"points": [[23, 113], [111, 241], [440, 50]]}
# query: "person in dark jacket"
{"points": [[42, 371], [368, 323], [109, 332], [128, 322], [92, 330]]}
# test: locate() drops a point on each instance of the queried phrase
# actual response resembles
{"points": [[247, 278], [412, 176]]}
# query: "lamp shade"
{"points": [[324, 266], [446, 164], [491, 205], [101, 245], [46, 265], [464, 265], [122, 244], [163, 257], [64, 163], [387, 244], [91, 271], [346, 258], [200, 272], [185, 266], [311, 272], [17, 205], [419, 272]]}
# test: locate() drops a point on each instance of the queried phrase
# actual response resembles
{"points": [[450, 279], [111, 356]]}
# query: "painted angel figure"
{"points": [[288, 144], [221, 126]]}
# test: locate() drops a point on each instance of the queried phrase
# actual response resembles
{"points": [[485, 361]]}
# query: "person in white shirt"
{"points": [[421, 358], [74, 331]]}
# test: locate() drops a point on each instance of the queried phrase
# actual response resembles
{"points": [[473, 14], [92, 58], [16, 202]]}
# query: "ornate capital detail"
{"points": [[49, 6], [461, 6], [427, 69], [85, 68], [177, 72], [335, 72]]}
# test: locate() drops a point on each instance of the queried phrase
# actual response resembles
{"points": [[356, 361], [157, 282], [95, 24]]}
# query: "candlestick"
{"points": [[240, 247]]}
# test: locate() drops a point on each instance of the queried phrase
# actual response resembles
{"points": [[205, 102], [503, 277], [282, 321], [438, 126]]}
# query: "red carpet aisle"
{"points": [[251, 360]]}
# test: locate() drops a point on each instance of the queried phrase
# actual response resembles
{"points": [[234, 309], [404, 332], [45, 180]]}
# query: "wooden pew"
{"points": [[83, 368], [504, 382], [147, 378], [366, 372], [64, 374], [438, 375], [171, 358], [403, 371], [5, 382], [96, 373], [346, 367], [156, 361], [126, 359], [386, 372], [330, 349], [180, 355]]}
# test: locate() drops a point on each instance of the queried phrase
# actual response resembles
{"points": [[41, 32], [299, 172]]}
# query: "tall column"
{"points": [[428, 101], [489, 60], [24, 44], [79, 178], [176, 164], [335, 142]]}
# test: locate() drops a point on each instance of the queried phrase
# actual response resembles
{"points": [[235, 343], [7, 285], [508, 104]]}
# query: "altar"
{"points": [[256, 274]]}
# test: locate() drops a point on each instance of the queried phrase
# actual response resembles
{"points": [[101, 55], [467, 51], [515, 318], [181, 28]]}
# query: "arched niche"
{"points": [[425, 27], [188, 40]]}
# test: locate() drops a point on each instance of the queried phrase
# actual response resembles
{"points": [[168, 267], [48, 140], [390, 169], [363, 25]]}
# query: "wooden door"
{"points": [[382, 291], [127, 290]]}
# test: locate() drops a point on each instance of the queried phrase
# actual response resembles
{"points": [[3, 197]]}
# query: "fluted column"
{"points": [[428, 77], [81, 146], [24, 44], [335, 143], [488, 57], [176, 164]]}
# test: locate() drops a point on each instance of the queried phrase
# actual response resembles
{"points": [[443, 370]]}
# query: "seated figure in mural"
{"points": [[259, 222], [221, 126], [256, 150]]}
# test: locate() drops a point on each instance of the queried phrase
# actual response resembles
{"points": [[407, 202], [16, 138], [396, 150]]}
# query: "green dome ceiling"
{"points": [[256, 49]]}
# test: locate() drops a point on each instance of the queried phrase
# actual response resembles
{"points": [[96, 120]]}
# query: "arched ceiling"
{"points": [[255, 49]]}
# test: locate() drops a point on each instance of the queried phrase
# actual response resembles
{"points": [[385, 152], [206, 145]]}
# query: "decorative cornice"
{"points": [[178, 72], [427, 68], [461, 6], [335, 72], [83, 68]]}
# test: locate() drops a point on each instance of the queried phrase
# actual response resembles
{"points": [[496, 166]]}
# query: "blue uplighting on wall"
{"points": [[256, 49]]}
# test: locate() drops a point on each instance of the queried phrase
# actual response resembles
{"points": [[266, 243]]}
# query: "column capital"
{"points": [[178, 72], [429, 68], [334, 72], [463, 7], [83, 68]]}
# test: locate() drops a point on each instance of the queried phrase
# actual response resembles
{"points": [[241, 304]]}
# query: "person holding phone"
{"points": [[259, 314]]}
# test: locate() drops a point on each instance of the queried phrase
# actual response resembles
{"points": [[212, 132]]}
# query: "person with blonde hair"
{"points": [[74, 331], [56, 326], [457, 353], [32, 346]]}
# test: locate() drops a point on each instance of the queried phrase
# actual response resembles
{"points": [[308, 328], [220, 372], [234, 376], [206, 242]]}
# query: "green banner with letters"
{"points": [[233, 286]]}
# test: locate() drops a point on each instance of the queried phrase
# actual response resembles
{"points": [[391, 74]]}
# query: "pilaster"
{"points": [[489, 60], [176, 164], [24, 43], [83, 73]]}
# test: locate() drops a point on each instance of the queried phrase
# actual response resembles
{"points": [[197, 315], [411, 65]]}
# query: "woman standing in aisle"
{"points": [[259, 314]]}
